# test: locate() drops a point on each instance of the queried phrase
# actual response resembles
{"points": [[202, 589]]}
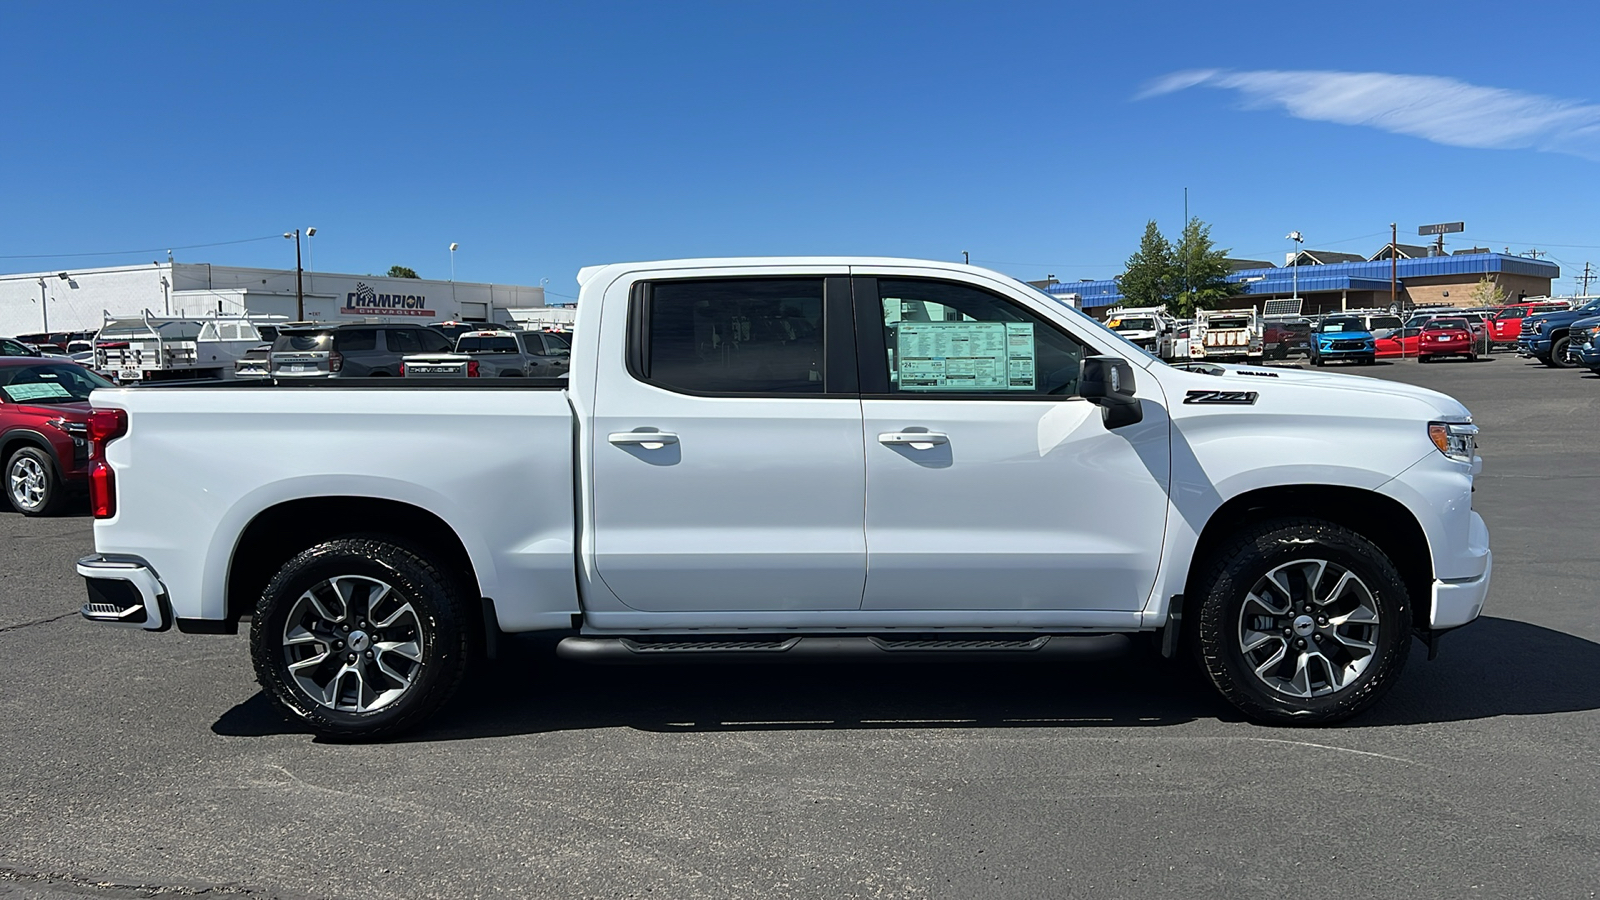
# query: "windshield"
{"points": [[1228, 322], [1133, 350], [1135, 324], [1330, 326], [49, 383], [1439, 324]]}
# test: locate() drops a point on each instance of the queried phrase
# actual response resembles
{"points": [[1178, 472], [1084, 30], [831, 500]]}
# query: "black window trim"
{"points": [[873, 353], [839, 339]]}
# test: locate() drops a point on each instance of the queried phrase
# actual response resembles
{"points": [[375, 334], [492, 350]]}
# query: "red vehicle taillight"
{"points": [[105, 425], [335, 361], [402, 370], [472, 368]]}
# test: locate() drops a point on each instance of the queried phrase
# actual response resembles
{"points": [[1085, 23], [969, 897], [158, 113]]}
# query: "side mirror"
{"points": [[1107, 382]]}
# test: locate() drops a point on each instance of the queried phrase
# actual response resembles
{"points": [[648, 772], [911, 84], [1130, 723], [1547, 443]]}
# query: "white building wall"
{"points": [[78, 302]]}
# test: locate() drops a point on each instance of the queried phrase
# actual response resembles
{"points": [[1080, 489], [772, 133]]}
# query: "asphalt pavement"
{"points": [[137, 764]]}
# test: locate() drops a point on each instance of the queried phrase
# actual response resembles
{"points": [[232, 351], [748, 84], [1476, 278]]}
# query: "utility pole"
{"points": [[1586, 276], [1394, 267], [44, 308], [966, 258]]}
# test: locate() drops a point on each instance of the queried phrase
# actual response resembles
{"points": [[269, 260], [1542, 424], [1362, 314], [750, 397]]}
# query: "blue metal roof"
{"points": [[1351, 276]]}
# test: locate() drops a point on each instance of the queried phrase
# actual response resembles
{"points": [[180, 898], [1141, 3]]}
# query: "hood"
{"points": [[1263, 380], [1344, 335]]}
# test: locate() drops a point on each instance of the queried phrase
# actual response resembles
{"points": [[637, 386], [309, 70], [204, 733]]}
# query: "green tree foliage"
{"points": [[1201, 271], [402, 272], [1487, 293], [1149, 281]]}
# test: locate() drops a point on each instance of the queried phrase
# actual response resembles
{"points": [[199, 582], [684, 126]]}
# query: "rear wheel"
{"points": [[1303, 622], [359, 638], [32, 485]]}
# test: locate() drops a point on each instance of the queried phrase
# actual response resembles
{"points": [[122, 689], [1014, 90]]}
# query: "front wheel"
{"points": [[1558, 354], [1303, 622], [359, 638], [32, 485]]}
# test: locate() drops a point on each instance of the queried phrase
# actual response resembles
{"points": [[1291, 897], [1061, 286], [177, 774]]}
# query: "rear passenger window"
{"points": [[347, 340], [733, 336], [434, 342]]}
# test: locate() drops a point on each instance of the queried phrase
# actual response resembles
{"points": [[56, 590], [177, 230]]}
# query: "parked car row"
{"points": [[1562, 338], [365, 350]]}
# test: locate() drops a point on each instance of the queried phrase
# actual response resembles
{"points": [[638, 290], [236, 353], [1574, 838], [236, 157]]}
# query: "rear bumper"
{"points": [[123, 590]]}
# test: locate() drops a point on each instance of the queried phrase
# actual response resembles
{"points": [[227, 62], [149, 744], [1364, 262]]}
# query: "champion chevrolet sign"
{"points": [[364, 301]]}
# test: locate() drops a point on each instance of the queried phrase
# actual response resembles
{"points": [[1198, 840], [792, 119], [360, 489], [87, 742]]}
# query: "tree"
{"points": [[1201, 271], [1148, 281], [402, 272], [1487, 293]]}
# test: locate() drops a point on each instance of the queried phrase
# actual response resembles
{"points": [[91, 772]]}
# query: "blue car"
{"points": [[1546, 336], [1343, 337], [1583, 343]]}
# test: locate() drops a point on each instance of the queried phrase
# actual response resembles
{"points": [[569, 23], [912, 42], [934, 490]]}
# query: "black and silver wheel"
{"points": [[360, 638], [1558, 354], [31, 482], [1303, 622]]}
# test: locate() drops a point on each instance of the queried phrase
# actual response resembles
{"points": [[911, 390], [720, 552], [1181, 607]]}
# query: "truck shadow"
{"points": [[1497, 667]]}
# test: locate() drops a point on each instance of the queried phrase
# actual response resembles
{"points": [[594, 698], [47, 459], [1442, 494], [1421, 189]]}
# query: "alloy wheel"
{"points": [[27, 481], [1309, 628], [353, 643]]}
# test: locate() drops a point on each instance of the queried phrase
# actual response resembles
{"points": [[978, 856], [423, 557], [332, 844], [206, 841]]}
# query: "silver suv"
{"points": [[349, 351], [496, 354]]}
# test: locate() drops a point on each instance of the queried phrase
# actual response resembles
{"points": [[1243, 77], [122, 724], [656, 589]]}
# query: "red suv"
{"points": [[1507, 322], [44, 432]]}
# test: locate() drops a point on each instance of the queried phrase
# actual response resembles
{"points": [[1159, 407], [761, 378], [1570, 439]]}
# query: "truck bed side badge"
{"points": [[1236, 398]]}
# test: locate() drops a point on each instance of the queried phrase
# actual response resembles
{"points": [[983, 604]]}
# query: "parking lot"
{"points": [[139, 763]]}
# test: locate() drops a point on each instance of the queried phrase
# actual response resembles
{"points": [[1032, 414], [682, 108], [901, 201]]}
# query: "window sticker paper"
{"points": [[22, 393], [965, 356]]}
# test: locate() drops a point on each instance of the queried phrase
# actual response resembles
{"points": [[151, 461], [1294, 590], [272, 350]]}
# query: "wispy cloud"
{"points": [[1442, 110]]}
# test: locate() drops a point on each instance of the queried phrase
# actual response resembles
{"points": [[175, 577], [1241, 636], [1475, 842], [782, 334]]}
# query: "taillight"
{"points": [[105, 425], [402, 370], [472, 368], [335, 361]]}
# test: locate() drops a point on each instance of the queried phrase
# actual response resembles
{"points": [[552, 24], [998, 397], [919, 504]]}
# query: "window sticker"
{"points": [[22, 393], [965, 356]]}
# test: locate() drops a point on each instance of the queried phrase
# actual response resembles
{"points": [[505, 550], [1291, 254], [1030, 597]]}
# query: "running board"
{"points": [[644, 650]]}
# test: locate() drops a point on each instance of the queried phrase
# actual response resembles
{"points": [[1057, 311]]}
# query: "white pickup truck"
{"points": [[775, 458]]}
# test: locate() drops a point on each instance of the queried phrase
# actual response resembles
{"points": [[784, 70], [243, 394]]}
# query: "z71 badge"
{"points": [[1236, 398]]}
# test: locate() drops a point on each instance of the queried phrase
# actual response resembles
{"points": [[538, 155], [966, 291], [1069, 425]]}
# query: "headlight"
{"points": [[1456, 440], [1538, 328]]}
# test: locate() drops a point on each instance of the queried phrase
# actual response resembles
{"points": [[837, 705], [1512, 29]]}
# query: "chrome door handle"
{"points": [[649, 440], [919, 440]]}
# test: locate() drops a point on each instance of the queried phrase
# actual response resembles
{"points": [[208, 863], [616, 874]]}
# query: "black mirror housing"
{"points": [[1107, 382]]}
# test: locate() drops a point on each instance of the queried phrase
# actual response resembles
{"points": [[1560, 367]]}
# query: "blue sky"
{"points": [[544, 137]]}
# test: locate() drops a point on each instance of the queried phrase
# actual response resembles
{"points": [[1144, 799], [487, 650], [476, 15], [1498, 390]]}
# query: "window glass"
{"points": [[950, 338], [470, 344], [301, 340], [736, 336], [347, 340], [403, 340], [531, 344], [49, 383], [434, 342], [557, 345], [13, 348]]}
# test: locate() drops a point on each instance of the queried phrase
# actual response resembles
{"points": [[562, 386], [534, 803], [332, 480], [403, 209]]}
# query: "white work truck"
{"points": [[762, 459]]}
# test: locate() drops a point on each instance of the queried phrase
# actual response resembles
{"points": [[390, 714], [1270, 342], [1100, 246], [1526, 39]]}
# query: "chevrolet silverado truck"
{"points": [[769, 459]]}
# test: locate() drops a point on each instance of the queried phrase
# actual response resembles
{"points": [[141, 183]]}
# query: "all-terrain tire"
{"points": [[1223, 620], [340, 616], [1558, 354]]}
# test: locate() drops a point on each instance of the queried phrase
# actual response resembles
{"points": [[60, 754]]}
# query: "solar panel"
{"points": [[1290, 307]]}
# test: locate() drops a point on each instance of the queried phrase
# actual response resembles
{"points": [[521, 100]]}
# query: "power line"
{"points": [[131, 252]]}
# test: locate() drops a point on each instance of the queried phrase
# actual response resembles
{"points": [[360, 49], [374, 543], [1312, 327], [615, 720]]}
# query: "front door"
{"points": [[728, 462], [990, 484]]}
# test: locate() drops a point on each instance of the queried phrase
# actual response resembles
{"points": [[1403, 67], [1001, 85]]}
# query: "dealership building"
{"points": [[80, 299], [1327, 282]]}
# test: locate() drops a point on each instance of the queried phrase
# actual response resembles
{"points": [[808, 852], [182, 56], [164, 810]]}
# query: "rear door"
{"points": [[991, 485], [727, 462]]}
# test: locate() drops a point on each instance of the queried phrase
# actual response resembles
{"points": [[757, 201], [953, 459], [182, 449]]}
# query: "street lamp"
{"points": [[453, 246], [299, 275], [311, 256], [1294, 272]]}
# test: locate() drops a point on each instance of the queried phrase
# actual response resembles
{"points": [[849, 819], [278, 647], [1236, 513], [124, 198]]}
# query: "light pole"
{"points": [[44, 306], [299, 276], [1294, 273], [453, 246], [311, 256]]}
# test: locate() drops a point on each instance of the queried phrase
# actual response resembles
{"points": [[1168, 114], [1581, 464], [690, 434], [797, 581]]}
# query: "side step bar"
{"points": [[643, 650]]}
